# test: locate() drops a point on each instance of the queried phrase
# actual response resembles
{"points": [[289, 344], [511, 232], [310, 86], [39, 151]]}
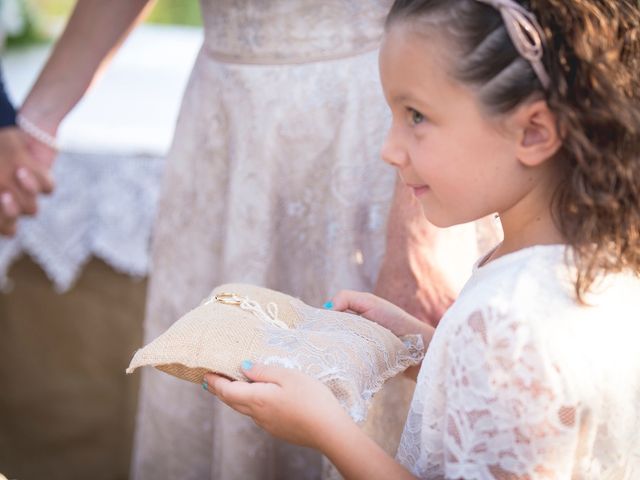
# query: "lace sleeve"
{"points": [[507, 413]]}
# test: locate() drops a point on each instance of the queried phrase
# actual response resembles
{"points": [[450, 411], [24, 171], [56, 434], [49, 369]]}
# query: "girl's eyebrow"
{"points": [[401, 98], [404, 98]]}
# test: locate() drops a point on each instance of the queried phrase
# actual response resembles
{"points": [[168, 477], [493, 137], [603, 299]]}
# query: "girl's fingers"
{"points": [[214, 385], [358, 302], [269, 373], [238, 395]]}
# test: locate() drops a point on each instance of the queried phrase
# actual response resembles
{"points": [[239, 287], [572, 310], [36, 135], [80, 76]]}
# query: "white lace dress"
{"points": [[274, 178], [522, 382]]}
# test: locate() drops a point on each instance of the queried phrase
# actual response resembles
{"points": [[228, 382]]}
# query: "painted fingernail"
{"points": [[205, 386], [246, 364], [328, 305]]}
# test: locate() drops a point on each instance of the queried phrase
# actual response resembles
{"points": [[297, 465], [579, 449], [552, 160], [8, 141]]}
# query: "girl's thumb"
{"points": [[351, 300], [263, 373]]}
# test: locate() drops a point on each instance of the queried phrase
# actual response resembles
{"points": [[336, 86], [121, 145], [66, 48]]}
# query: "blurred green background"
{"points": [[41, 20]]}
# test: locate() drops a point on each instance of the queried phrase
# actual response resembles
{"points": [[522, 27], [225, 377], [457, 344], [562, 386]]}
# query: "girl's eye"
{"points": [[415, 116]]}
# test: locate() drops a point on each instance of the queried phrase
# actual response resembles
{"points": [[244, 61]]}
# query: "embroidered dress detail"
{"points": [[520, 381]]}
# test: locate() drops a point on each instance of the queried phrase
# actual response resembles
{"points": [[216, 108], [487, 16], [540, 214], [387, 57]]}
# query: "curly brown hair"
{"points": [[592, 54]]}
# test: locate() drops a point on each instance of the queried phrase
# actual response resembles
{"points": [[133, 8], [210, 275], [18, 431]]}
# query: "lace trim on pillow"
{"points": [[361, 368]]}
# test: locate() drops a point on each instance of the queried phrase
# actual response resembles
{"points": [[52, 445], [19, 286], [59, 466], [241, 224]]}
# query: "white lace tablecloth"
{"points": [[104, 206], [112, 149]]}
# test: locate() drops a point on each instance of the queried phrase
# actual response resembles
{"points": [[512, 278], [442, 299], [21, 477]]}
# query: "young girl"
{"points": [[530, 110]]}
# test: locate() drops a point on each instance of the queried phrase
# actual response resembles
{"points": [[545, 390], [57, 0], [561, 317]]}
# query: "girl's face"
{"points": [[459, 165]]}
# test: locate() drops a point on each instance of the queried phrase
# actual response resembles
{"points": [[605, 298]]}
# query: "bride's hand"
{"points": [[22, 178]]}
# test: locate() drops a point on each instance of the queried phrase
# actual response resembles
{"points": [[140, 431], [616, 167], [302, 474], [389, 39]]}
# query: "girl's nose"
{"points": [[392, 151]]}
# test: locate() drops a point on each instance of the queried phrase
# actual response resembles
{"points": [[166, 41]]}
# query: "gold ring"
{"points": [[227, 298]]}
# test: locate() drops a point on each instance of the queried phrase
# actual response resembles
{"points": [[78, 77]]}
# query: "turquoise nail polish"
{"points": [[205, 386], [247, 364], [328, 305]]}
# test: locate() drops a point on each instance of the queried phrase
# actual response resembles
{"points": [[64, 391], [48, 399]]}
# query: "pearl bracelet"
{"points": [[36, 132]]}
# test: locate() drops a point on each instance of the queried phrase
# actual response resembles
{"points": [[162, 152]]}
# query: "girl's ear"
{"points": [[538, 138]]}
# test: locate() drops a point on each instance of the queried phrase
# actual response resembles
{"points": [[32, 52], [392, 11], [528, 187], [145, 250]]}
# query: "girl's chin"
{"points": [[437, 218]]}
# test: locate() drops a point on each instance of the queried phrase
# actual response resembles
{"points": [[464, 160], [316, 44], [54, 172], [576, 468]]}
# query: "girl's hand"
{"points": [[286, 403], [382, 312], [299, 409], [386, 314]]}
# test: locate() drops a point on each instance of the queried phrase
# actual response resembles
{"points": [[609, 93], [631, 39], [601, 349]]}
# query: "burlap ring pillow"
{"points": [[351, 355]]}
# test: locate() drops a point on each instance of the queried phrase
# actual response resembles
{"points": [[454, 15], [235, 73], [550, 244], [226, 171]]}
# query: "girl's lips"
{"points": [[419, 189]]}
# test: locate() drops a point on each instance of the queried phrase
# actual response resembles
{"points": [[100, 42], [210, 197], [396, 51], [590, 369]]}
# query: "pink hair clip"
{"points": [[525, 33]]}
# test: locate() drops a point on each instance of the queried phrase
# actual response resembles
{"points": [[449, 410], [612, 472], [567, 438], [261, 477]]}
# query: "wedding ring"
{"points": [[228, 298]]}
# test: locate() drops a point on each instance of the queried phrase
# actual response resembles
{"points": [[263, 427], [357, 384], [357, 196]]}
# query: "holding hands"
{"points": [[24, 174]]}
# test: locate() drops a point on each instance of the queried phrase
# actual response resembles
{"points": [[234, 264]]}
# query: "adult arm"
{"points": [[94, 32]]}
